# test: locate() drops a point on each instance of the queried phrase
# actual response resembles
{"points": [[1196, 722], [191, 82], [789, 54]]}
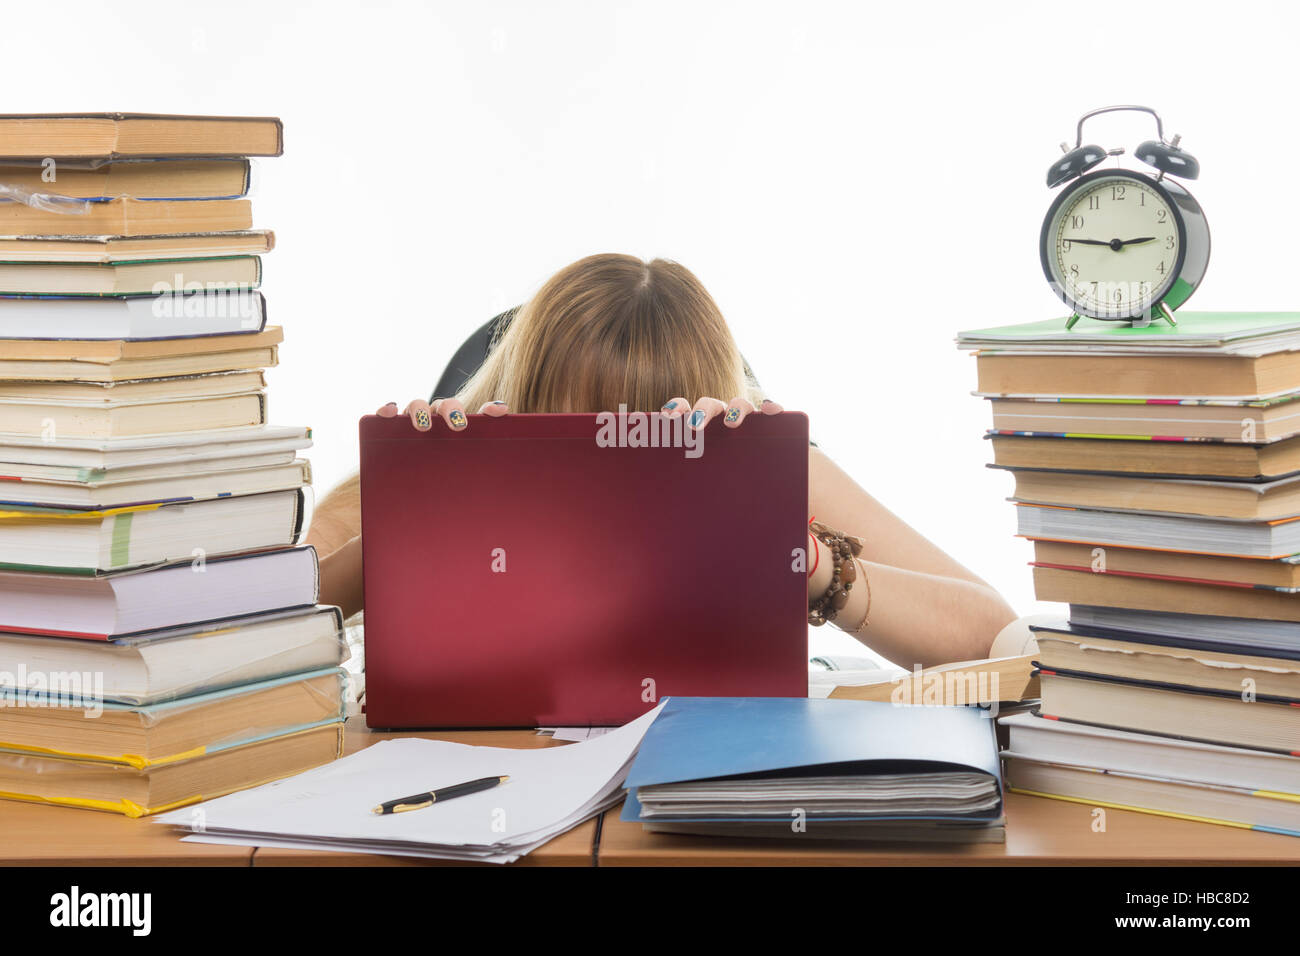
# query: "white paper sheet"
{"points": [[550, 790]]}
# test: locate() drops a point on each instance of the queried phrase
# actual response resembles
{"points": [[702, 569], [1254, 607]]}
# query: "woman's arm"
{"points": [[340, 577], [925, 608], [337, 519], [336, 535]]}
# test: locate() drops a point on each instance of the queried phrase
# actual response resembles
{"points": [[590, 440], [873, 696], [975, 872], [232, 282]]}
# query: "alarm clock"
{"points": [[1122, 244]]}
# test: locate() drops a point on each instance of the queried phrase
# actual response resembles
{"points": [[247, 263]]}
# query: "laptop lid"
{"points": [[571, 570]]}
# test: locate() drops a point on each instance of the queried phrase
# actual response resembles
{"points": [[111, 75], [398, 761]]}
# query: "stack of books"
{"points": [[1158, 476], [160, 640]]}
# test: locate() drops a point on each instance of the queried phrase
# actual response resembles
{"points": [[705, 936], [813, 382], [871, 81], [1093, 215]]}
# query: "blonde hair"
{"points": [[612, 330], [606, 331]]}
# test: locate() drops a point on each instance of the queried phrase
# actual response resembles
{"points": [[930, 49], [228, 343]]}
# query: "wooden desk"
{"points": [[33, 834], [1039, 832]]}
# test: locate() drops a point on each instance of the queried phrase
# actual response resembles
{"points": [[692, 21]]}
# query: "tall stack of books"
{"points": [[160, 640], [1157, 474]]}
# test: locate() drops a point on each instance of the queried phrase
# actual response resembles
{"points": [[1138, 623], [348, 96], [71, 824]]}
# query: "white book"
{"points": [[106, 606], [85, 542], [1060, 741], [162, 484], [102, 453], [91, 478], [186, 660], [132, 317], [1235, 634], [1132, 529]]}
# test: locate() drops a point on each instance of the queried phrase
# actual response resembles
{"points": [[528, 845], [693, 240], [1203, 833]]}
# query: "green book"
{"points": [[1243, 333]]}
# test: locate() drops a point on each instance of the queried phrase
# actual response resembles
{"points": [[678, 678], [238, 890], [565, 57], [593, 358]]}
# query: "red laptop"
{"points": [[571, 570]]}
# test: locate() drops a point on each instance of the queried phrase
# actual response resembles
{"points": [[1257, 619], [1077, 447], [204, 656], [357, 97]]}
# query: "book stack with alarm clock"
{"points": [[1156, 459]]}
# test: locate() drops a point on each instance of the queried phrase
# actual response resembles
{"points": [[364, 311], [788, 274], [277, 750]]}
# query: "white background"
{"points": [[853, 182]]}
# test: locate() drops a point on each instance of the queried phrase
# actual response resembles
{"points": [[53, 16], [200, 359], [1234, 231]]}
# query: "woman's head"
{"points": [[609, 330]]}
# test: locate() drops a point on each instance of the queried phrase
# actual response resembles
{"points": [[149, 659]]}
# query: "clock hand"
{"points": [[1116, 244]]}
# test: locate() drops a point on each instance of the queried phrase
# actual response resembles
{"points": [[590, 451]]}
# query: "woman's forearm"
{"points": [[335, 533], [340, 577], [337, 519], [914, 617], [925, 619]]}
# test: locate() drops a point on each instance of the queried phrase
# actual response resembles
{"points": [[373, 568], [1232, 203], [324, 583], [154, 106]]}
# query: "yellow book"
{"points": [[101, 785]]}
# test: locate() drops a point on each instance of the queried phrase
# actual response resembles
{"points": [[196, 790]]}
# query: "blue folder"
{"points": [[704, 738]]}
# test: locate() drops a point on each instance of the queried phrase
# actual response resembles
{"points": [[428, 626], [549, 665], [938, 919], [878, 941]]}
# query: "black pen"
{"points": [[429, 798]]}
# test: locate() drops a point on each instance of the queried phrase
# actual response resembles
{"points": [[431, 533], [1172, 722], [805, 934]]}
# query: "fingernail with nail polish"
{"points": [[669, 407], [733, 414], [457, 419], [697, 417], [422, 418]]}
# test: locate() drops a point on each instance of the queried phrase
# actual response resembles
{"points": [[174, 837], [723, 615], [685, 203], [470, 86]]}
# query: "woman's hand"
{"points": [[450, 410], [706, 409]]}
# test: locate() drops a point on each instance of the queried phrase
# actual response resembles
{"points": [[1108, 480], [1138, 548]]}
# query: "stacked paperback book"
{"points": [[160, 640], [1157, 474]]}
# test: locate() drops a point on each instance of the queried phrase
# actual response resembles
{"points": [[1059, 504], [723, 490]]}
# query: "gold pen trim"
{"points": [[401, 807]]}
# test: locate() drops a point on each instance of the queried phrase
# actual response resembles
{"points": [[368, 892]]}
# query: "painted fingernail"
{"points": [[669, 407], [697, 417], [733, 414], [457, 418], [496, 403], [422, 419]]}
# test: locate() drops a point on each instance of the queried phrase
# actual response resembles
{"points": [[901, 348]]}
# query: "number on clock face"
{"points": [[1116, 246]]}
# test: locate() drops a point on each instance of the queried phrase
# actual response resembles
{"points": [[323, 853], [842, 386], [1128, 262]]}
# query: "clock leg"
{"points": [[1165, 314], [1069, 323]]}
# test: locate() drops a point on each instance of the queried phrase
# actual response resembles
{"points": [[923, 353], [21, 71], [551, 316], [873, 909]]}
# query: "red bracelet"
{"points": [[817, 555]]}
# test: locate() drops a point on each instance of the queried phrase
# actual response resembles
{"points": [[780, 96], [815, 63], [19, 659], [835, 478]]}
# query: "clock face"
{"points": [[1113, 245]]}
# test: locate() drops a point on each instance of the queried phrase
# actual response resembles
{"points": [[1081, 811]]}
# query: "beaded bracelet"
{"points": [[866, 615], [843, 549]]}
